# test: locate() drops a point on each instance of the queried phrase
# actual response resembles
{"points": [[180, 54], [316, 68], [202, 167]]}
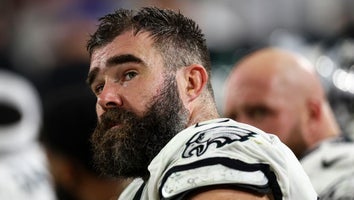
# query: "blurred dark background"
{"points": [[44, 40]]}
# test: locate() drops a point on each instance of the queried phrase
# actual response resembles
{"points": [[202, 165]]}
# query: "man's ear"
{"points": [[314, 108], [314, 115], [197, 78]]}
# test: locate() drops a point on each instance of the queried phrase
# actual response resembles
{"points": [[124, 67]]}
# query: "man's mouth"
{"points": [[113, 125], [116, 126]]}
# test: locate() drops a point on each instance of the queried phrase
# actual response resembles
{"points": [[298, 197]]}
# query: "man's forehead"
{"points": [[126, 43]]}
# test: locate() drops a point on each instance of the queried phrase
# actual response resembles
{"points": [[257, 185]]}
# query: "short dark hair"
{"points": [[178, 38]]}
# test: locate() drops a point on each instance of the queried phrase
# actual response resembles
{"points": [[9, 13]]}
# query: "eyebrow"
{"points": [[113, 61]]}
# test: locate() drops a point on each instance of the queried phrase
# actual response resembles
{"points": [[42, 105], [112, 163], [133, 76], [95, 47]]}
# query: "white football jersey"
{"points": [[24, 175], [330, 163], [223, 152], [23, 164]]}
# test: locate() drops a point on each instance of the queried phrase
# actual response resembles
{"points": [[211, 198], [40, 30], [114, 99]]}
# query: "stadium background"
{"points": [[44, 40]]}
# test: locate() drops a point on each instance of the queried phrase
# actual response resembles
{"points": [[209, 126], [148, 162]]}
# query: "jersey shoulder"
{"points": [[223, 151]]}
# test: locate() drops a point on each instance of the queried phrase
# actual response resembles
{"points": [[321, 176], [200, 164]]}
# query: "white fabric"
{"points": [[23, 164], [24, 176], [223, 151], [20, 94], [330, 162]]}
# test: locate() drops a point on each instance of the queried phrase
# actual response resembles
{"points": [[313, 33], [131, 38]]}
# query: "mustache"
{"points": [[115, 116]]}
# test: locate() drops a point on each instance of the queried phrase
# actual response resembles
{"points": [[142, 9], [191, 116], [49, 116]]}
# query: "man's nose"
{"points": [[109, 97]]}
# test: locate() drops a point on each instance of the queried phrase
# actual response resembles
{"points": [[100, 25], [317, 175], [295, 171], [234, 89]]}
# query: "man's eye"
{"points": [[257, 114], [98, 89], [130, 75]]}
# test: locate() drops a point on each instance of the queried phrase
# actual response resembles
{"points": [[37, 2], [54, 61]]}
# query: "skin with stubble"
{"points": [[278, 91]]}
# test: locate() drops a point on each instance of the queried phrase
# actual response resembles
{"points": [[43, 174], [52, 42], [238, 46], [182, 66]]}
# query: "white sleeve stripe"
{"points": [[264, 179]]}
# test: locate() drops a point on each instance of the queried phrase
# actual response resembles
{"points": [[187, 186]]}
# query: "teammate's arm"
{"points": [[228, 194]]}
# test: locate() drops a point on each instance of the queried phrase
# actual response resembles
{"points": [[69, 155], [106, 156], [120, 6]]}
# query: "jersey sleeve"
{"points": [[236, 155]]}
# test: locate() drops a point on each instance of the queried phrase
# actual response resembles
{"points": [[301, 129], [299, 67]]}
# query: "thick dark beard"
{"points": [[127, 151]]}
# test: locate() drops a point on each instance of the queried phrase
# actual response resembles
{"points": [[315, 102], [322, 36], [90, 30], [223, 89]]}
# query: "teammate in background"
{"points": [[158, 120], [69, 121], [23, 165], [279, 92]]}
